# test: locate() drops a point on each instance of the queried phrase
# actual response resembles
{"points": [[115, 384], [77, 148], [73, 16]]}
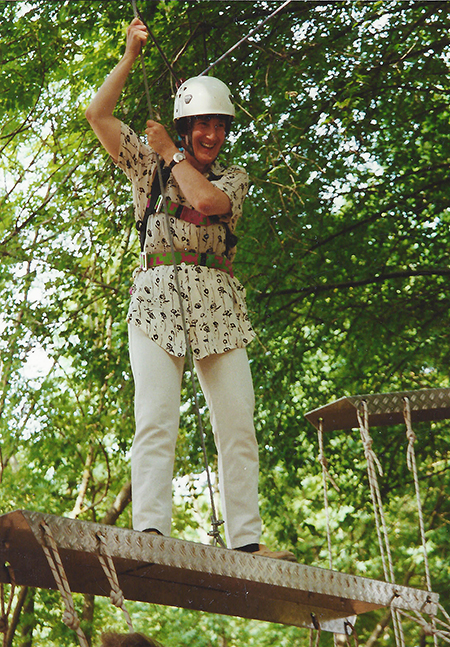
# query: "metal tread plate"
{"points": [[383, 409], [184, 574]]}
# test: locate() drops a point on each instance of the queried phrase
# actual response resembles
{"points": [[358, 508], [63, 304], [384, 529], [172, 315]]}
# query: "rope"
{"points": [[372, 460], [138, 14], [412, 466], [239, 43], [215, 523], [350, 631], [51, 552], [428, 628], [325, 476], [385, 550], [318, 629], [116, 596]]}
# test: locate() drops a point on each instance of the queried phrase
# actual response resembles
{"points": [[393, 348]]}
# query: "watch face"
{"points": [[179, 157]]}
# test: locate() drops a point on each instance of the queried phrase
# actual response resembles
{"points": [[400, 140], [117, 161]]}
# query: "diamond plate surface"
{"points": [[383, 409], [184, 574]]}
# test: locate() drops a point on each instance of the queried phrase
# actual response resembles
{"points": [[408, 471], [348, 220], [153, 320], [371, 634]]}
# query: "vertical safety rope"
{"points": [[116, 596], [215, 522], [70, 616], [372, 464], [412, 466]]}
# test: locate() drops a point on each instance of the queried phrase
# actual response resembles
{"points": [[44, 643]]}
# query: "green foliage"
{"points": [[343, 126]]}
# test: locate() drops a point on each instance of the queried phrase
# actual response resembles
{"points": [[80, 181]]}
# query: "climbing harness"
{"points": [[201, 259]]}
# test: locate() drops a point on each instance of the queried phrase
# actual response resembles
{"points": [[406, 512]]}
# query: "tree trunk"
{"points": [[27, 620], [15, 616]]}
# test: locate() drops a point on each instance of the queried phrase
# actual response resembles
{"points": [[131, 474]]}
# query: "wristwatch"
{"points": [[178, 157]]}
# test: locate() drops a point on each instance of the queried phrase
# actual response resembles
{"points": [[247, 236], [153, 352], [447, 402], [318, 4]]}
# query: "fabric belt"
{"points": [[206, 260]]}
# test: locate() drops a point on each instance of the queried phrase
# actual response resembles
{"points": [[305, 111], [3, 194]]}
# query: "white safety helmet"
{"points": [[203, 95]]}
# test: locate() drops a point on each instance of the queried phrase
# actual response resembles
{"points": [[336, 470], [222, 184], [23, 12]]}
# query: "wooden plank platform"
{"points": [[177, 573], [383, 409]]}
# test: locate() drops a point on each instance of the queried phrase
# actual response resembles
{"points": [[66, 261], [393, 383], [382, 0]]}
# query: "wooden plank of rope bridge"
{"points": [[383, 409], [177, 573]]}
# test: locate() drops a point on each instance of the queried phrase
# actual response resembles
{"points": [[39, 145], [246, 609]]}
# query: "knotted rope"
{"points": [[373, 464], [412, 466], [51, 552], [116, 596], [429, 628]]}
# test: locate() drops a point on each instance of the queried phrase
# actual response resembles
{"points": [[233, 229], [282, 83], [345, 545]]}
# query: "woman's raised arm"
{"points": [[100, 111]]}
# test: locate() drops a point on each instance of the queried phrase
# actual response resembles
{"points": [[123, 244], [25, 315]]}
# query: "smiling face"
{"points": [[207, 138]]}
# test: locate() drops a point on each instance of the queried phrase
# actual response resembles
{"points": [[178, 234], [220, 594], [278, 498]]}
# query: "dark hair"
{"points": [[112, 639], [184, 125]]}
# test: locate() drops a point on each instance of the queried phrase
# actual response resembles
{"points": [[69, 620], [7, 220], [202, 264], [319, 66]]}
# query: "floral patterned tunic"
{"points": [[213, 301]]}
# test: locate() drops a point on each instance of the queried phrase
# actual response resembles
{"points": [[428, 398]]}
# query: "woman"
{"points": [[204, 201]]}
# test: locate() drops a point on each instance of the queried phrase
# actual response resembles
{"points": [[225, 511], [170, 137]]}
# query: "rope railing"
{"points": [[373, 464], [70, 616], [116, 596]]}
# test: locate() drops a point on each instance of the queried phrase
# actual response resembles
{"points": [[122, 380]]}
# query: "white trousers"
{"points": [[226, 382]]}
